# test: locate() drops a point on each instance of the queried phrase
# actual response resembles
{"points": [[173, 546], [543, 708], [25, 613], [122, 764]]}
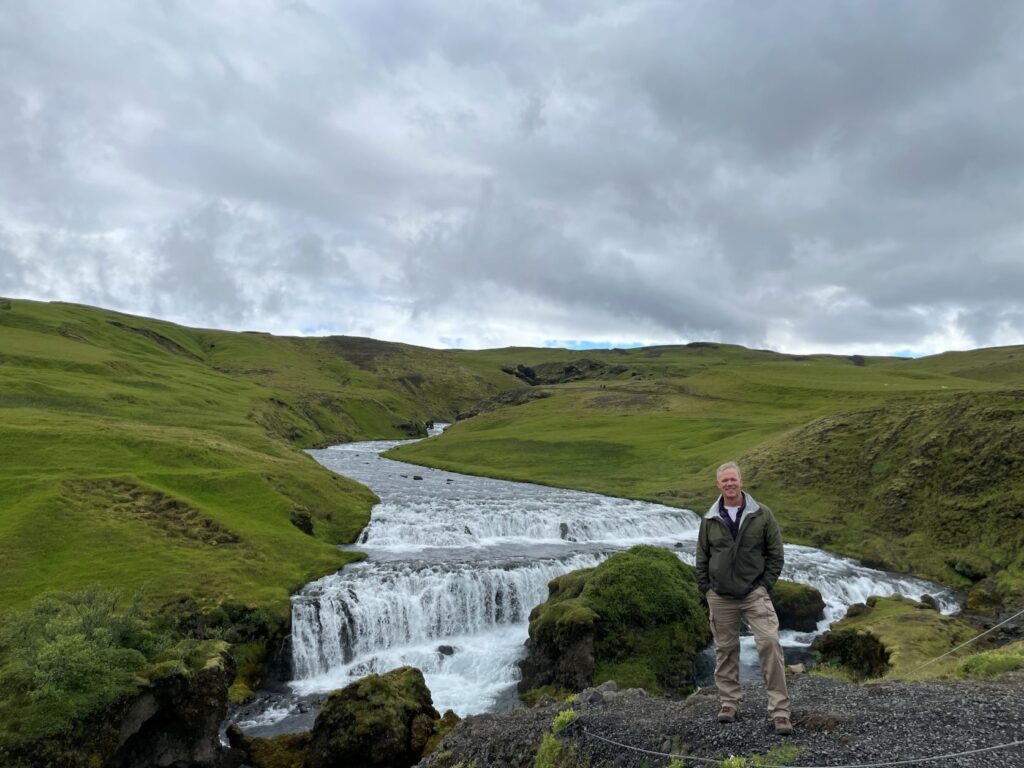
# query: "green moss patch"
{"points": [[640, 612], [892, 638], [993, 663]]}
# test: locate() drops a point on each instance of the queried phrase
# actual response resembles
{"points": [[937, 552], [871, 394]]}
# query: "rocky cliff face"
{"points": [[175, 721], [171, 722]]}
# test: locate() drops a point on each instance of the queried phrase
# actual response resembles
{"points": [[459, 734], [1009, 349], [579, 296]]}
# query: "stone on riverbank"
{"points": [[379, 721], [637, 618], [800, 607]]}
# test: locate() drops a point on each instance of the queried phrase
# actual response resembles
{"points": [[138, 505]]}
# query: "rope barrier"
{"points": [[716, 761], [947, 653]]}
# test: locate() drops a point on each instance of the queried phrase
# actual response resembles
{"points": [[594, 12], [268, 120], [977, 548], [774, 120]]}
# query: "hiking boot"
{"points": [[783, 727], [727, 714]]}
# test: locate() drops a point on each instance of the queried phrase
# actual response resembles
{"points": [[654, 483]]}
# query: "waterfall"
{"points": [[455, 565], [368, 608], [408, 524]]}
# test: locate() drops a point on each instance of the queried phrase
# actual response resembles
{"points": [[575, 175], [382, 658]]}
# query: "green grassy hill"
{"points": [[912, 465], [166, 462], [140, 454]]}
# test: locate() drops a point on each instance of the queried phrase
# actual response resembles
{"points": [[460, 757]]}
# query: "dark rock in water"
{"points": [[417, 477], [563, 530], [379, 721], [445, 650], [800, 607], [637, 617]]}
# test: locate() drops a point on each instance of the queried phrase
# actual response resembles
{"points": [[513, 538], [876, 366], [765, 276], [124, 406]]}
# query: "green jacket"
{"points": [[736, 567]]}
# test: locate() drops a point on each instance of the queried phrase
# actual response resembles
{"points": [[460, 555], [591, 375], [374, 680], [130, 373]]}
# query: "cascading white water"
{"points": [[432, 522], [456, 563], [369, 608]]}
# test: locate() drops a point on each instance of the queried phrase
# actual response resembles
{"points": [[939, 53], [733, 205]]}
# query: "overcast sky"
{"points": [[803, 176]]}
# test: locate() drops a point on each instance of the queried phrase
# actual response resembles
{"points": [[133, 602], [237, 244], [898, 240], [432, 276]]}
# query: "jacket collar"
{"points": [[751, 508]]}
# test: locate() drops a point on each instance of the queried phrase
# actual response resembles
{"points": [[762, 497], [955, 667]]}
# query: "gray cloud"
{"points": [[838, 175]]}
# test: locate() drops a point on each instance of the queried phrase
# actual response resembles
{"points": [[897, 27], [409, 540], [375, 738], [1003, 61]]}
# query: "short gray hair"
{"points": [[729, 465]]}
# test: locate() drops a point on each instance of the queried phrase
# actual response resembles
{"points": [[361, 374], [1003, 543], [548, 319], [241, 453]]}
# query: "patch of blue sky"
{"points": [[319, 330], [908, 353], [579, 344]]}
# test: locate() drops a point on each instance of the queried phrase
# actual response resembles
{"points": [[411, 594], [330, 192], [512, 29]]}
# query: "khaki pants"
{"points": [[759, 612]]}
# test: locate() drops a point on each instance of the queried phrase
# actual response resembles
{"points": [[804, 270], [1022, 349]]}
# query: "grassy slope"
{"points": [[911, 464], [137, 454], [143, 455]]}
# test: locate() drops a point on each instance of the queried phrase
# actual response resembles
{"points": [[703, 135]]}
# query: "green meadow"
{"points": [[910, 465], [154, 491], [165, 465]]}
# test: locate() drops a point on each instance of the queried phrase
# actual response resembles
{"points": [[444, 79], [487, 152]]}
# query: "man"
{"points": [[739, 559]]}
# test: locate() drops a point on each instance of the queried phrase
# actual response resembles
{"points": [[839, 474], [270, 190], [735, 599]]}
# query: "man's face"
{"points": [[731, 486]]}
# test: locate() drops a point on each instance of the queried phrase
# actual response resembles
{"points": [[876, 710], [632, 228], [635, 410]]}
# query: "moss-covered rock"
{"points": [[857, 652], [637, 618], [172, 718], [892, 637], [287, 750], [383, 721], [800, 607]]}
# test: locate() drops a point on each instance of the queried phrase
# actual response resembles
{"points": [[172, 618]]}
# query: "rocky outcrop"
{"points": [[175, 721], [637, 618], [800, 607], [560, 373], [379, 721], [504, 399], [171, 722]]}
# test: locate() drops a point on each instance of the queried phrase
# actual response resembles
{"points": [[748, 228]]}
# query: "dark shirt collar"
{"points": [[721, 505]]}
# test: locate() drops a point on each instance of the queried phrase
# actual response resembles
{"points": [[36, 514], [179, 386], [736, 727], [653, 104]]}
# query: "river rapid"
{"points": [[454, 565]]}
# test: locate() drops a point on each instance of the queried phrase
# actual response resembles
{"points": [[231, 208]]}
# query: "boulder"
{"points": [[379, 721], [287, 750], [800, 607], [637, 618], [857, 651]]}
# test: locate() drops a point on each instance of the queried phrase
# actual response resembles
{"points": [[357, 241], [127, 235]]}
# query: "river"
{"points": [[454, 565]]}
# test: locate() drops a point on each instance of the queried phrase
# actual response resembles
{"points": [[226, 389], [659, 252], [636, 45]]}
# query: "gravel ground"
{"points": [[836, 724]]}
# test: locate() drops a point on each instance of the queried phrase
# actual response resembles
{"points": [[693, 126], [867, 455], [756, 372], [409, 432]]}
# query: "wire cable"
{"points": [[906, 761]]}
